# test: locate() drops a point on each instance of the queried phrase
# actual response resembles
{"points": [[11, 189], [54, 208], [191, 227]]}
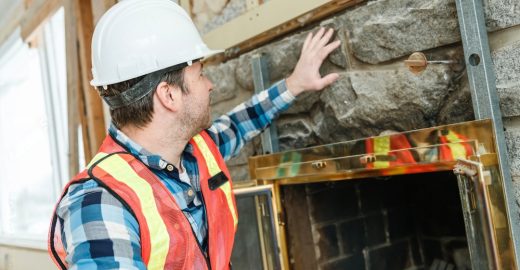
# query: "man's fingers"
{"points": [[306, 42], [328, 80], [316, 38], [329, 48], [325, 39]]}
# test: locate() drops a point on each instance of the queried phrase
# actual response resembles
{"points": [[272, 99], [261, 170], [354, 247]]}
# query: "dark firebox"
{"points": [[401, 222]]}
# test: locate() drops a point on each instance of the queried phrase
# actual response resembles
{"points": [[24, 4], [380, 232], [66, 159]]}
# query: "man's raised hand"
{"points": [[306, 75]]}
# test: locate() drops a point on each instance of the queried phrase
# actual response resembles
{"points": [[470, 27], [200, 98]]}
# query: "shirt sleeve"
{"points": [[232, 130], [98, 232]]}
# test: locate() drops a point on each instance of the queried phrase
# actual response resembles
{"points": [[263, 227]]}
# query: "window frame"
{"points": [[56, 112]]}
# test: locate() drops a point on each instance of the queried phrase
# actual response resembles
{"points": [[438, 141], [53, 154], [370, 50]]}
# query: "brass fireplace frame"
{"points": [[480, 181]]}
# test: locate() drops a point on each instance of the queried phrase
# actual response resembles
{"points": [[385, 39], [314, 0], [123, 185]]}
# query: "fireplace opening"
{"points": [[410, 221]]}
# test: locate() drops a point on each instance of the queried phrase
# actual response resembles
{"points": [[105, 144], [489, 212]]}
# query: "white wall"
{"points": [[12, 258]]}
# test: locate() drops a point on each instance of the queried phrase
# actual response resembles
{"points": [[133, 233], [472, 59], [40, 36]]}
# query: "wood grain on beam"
{"points": [[186, 4], [99, 7], [37, 12], [93, 105], [73, 86]]}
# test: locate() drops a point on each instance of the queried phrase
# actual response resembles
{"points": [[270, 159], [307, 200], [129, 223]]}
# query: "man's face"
{"points": [[196, 102]]}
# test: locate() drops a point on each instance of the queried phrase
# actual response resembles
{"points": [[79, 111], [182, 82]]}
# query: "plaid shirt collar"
{"points": [[149, 159]]}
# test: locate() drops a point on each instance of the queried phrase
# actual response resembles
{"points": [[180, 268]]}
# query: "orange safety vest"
{"points": [[167, 239], [453, 146], [384, 151]]}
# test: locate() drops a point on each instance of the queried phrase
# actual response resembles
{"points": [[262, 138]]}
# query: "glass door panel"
{"points": [[487, 227], [256, 245]]}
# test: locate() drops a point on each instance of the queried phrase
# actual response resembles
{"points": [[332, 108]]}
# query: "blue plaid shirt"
{"points": [[100, 233]]}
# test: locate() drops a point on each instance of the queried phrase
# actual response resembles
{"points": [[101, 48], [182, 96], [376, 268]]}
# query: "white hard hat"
{"points": [[138, 37]]}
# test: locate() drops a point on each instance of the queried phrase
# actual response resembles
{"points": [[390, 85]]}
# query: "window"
{"points": [[33, 132]]}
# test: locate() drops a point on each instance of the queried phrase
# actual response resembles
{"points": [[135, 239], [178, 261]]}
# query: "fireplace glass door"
{"points": [[485, 215], [469, 149], [256, 246]]}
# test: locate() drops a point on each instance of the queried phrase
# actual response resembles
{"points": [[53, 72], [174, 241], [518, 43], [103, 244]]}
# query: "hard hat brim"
{"points": [[209, 53]]}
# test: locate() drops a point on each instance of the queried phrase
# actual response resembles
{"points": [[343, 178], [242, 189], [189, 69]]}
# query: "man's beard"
{"points": [[195, 123]]}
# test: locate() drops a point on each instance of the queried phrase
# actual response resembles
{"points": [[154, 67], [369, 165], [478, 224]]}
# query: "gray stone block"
{"points": [[328, 129], [281, 59], [243, 156], [224, 84], [339, 56], [390, 100], [232, 10], [239, 173], [339, 94], [516, 192], [507, 69], [501, 13], [513, 147], [295, 132], [387, 29], [244, 72], [458, 106], [304, 103], [283, 55], [509, 100], [507, 65]]}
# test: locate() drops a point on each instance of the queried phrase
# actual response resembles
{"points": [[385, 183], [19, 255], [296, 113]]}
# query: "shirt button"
{"points": [[169, 167], [190, 192]]}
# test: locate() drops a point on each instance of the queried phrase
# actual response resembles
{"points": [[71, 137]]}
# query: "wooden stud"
{"points": [[36, 14], [73, 86], [186, 4], [99, 7], [83, 119], [95, 127]]}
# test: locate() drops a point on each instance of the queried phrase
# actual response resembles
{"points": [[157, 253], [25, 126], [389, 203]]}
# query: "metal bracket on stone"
{"points": [[261, 81], [417, 62], [484, 95]]}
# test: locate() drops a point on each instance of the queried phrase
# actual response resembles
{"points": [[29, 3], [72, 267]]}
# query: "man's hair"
{"points": [[140, 112]]}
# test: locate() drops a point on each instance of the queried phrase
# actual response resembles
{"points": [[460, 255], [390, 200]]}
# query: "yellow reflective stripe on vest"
{"points": [[120, 170], [211, 162], [457, 149], [381, 147], [214, 169], [226, 188], [96, 158]]}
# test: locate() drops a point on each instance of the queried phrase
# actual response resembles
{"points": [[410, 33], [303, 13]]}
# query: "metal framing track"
{"points": [[261, 81], [484, 95]]}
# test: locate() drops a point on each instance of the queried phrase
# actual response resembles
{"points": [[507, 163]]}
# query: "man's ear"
{"points": [[168, 96]]}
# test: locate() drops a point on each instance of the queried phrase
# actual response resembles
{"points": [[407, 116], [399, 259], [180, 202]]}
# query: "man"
{"points": [[158, 194]]}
